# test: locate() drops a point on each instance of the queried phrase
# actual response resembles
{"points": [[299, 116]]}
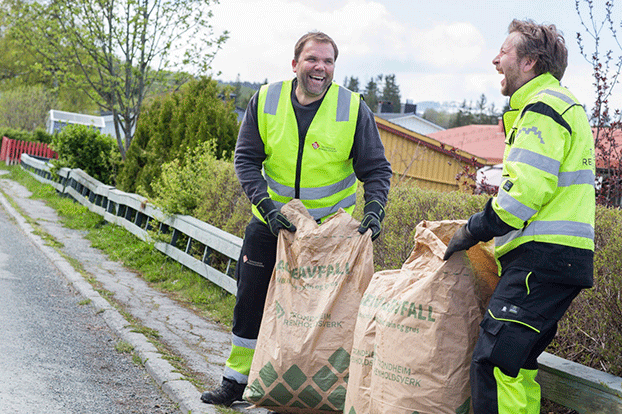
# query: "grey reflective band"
{"points": [[566, 179], [318, 213], [280, 189], [343, 105], [234, 375], [541, 228], [243, 342], [272, 98], [539, 161], [312, 193], [514, 207], [559, 95]]}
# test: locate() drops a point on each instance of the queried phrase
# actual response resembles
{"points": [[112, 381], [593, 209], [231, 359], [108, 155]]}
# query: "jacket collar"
{"points": [[523, 95]]}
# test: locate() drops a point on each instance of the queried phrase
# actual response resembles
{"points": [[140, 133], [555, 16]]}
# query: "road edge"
{"points": [[178, 389]]}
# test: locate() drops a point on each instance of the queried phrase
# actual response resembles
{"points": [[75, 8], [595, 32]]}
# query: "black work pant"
{"points": [[253, 272], [520, 322]]}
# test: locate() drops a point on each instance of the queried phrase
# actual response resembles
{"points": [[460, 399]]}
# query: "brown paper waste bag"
{"points": [[417, 327], [303, 349]]}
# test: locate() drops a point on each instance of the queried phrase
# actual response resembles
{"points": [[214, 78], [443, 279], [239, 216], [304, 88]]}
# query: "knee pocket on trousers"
{"points": [[506, 340]]}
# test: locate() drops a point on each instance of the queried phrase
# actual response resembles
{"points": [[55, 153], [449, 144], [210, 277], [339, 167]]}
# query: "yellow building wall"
{"points": [[421, 160]]}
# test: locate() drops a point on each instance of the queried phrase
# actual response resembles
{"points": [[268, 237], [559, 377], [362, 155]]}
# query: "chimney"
{"points": [[386, 107], [410, 108]]}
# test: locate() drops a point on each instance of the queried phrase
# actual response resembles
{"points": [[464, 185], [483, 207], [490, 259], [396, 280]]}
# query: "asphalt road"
{"points": [[56, 354]]}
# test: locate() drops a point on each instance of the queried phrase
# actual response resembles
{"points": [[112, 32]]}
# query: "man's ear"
{"points": [[294, 65], [528, 64]]}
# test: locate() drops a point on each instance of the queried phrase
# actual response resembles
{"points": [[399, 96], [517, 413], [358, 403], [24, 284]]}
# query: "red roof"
{"points": [[608, 152], [488, 141], [485, 141]]}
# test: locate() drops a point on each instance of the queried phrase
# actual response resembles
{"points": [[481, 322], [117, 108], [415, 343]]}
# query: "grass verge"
{"points": [[161, 272]]}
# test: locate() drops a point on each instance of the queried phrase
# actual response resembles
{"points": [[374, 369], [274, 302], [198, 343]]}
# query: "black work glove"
{"points": [[274, 218], [461, 240], [374, 214]]}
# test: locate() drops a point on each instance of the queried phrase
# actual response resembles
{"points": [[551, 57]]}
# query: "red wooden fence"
{"points": [[12, 150]]}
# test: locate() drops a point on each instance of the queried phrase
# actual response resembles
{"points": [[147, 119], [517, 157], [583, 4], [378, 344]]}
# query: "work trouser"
{"points": [[519, 324], [253, 272]]}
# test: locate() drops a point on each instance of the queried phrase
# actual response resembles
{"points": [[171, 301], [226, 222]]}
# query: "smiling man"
{"points": [[542, 220], [306, 138], [313, 65]]}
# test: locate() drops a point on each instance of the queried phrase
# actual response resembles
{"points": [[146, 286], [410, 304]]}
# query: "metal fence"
{"points": [[197, 245]]}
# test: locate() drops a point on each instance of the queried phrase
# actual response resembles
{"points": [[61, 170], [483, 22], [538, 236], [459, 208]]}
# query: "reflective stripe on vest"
{"points": [[327, 179], [568, 179]]}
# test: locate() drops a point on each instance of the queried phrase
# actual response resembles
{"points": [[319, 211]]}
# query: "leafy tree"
{"points": [[19, 70], [486, 115], [463, 116], [114, 51], [391, 93], [25, 107], [173, 124], [440, 118]]}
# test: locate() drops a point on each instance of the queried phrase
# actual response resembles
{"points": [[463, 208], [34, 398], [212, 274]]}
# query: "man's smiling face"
{"points": [[516, 72], [314, 71]]}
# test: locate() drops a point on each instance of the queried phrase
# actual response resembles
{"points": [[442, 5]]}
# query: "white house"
{"points": [[57, 120]]}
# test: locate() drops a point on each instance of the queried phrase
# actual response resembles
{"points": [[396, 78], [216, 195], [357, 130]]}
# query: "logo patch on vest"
{"points": [[508, 185], [316, 145]]}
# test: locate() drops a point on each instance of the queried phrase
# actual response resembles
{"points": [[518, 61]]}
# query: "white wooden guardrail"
{"points": [[191, 242], [196, 244]]}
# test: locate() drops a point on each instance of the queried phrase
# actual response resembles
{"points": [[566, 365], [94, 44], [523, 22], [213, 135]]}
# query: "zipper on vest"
{"points": [[301, 147]]}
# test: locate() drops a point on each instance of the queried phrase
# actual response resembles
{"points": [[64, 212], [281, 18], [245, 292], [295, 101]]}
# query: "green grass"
{"points": [[162, 273], [124, 347]]}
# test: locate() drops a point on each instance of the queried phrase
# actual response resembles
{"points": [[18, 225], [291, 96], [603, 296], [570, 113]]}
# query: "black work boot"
{"points": [[228, 393]]}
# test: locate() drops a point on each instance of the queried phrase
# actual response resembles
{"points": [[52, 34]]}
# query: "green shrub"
{"points": [[79, 146], [591, 331], [406, 207], [204, 187], [38, 135], [171, 125]]}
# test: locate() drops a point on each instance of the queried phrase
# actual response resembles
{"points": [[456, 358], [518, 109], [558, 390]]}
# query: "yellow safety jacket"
{"points": [[319, 170], [547, 188]]}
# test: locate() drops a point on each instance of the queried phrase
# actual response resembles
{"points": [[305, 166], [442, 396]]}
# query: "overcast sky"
{"points": [[439, 50]]}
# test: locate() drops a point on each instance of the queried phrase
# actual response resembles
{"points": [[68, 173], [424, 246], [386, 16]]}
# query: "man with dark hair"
{"points": [[542, 220], [306, 138]]}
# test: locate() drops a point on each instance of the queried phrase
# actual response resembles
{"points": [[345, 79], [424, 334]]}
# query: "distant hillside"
{"points": [[244, 85], [247, 89]]}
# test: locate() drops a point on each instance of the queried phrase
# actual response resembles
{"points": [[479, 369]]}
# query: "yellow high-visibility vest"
{"points": [[326, 175]]}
